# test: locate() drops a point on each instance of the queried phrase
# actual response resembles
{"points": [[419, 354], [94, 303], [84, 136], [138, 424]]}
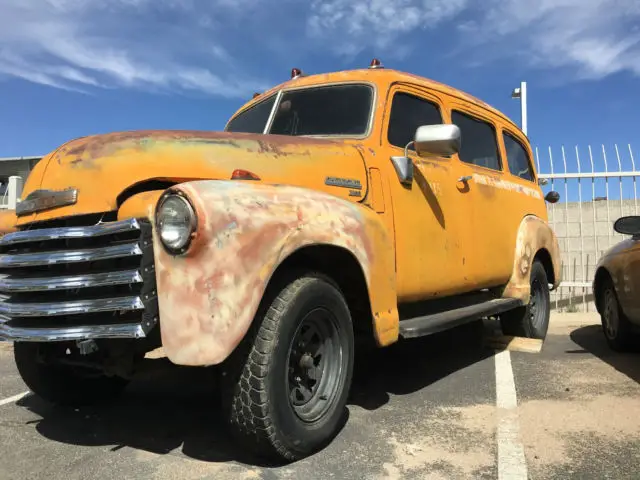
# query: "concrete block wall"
{"points": [[585, 232]]}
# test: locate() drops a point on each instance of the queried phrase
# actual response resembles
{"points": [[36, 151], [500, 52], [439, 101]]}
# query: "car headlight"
{"points": [[176, 223]]}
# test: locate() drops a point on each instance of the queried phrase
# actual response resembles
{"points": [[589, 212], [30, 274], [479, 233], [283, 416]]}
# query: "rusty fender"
{"points": [[209, 296], [534, 234]]}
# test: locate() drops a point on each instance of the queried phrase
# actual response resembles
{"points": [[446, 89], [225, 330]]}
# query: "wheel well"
{"points": [[144, 186], [343, 268], [545, 258], [601, 276]]}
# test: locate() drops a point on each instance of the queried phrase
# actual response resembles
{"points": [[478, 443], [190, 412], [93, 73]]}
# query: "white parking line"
{"points": [[512, 464], [15, 398]]}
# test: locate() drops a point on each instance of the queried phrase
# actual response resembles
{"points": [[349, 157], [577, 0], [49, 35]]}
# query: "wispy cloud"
{"points": [[595, 38], [215, 47], [357, 24], [71, 44]]}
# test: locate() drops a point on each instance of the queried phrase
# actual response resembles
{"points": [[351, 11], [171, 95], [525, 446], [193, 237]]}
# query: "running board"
{"points": [[438, 322]]}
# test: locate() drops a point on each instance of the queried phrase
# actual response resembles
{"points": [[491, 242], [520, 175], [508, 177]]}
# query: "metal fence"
{"points": [[597, 186]]}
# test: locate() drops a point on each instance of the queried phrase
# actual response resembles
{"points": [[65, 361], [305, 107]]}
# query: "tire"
{"points": [[615, 324], [63, 384], [531, 320], [269, 397]]}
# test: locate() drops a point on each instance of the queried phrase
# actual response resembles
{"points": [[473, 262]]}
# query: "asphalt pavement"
{"points": [[441, 407]]}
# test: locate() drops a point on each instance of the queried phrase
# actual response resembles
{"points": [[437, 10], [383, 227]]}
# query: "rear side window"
{"points": [[479, 144], [517, 158], [409, 112]]}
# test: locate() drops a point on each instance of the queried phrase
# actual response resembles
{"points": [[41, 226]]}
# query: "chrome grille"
{"points": [[71, 282]]}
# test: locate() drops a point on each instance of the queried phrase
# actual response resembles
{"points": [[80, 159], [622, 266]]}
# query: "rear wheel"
{"points": [[532, 320], [286, 386], [59, 383], [615, 324]]}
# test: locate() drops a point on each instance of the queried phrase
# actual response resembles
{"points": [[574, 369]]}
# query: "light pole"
{"points": [[521, 93]]}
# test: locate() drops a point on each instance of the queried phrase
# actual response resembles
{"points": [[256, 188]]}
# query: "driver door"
{"points": [[430, 215]]}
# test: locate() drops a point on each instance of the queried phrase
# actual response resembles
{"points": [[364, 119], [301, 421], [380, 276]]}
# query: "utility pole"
{"points": [[521, 93]]}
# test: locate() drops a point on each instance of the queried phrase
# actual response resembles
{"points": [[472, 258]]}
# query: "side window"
{"points": [[517, 158], [479, 143], [254, 119], [409, 112]]}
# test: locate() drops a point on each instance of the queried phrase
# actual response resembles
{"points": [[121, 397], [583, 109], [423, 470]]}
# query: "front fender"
{"points": [[534, 235], [209, 296]]}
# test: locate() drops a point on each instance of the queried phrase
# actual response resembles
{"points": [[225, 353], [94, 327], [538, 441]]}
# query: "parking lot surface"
{"points": [[441, 407]]}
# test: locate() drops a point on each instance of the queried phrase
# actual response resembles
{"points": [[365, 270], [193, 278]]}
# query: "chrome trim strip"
{"points": [[73, 307], [125, 330], [68, 282], [44, 234], [39, 200], [69, 256]]}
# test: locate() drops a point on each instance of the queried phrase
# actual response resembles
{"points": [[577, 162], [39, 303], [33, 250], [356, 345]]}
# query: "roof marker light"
{"points": [[240, 174], [296, 72], [256, 95], [375, 63]]}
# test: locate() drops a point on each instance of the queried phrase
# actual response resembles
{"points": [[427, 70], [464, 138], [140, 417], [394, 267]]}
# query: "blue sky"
{"points": [[76, 67]]}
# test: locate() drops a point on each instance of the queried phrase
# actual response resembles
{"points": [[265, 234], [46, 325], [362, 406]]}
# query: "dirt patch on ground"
{"points": [[458, 444], [547, 425], [6, 348]]}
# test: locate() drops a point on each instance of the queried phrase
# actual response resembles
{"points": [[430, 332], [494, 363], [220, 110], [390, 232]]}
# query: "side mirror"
{"points": [[438, 140], [552, 197], [628, 225], [429, 140]]}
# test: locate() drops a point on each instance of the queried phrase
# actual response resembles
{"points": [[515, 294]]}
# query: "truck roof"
{"points": [[380, 77]]}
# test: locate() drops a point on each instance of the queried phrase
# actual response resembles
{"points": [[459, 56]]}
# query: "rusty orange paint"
{"points": [[7, 221], [141, 205], [435, 238], [533, 236], [104, 166], [208, 298]]}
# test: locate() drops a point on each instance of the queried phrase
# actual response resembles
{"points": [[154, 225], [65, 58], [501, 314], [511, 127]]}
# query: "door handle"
{"points": [[466, 178]]}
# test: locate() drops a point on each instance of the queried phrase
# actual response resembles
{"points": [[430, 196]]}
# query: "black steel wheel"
{"points": [[532, 320], [285, 387], [316, 359], [615, 325]]}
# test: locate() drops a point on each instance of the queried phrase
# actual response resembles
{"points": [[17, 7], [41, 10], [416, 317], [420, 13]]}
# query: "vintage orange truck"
{"points": [[360, 204]]}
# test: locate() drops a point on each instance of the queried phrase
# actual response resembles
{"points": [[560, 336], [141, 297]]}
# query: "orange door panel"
{"points": [[430, 214], [493, 215]]}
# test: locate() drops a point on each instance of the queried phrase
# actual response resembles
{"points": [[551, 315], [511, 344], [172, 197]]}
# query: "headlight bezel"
{"points": [[192, 226]]}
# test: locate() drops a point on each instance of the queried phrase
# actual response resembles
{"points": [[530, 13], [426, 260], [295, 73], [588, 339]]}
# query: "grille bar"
{"points": [[67, 233], [50, 309], [69, 282], [69, 256], [72, 282], [125, 330]]}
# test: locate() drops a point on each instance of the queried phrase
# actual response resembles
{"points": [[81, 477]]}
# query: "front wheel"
{"points": [[285, 388], [532, 320]]}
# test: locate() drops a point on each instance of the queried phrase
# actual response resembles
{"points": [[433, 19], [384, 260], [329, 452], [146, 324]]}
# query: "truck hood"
{"points": [[103, 168]]}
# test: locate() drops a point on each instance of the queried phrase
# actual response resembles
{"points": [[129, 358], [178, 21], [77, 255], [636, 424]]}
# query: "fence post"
{"points": [[14, 190]]}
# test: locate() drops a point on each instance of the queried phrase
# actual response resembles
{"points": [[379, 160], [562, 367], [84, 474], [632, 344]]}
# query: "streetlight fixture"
{"points": [[521, 93]]}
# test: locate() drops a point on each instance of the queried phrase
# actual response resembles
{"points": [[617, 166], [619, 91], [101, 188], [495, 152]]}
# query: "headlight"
{"points": [[176, 222]]}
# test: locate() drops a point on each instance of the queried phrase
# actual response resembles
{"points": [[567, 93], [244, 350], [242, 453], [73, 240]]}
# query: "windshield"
{"points": [[328, 110]]}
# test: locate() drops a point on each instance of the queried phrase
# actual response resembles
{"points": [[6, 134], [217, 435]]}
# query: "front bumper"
{"points": [[76, 282]]}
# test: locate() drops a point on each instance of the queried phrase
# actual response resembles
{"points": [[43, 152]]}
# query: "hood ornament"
{"points": [[39, 200]]}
